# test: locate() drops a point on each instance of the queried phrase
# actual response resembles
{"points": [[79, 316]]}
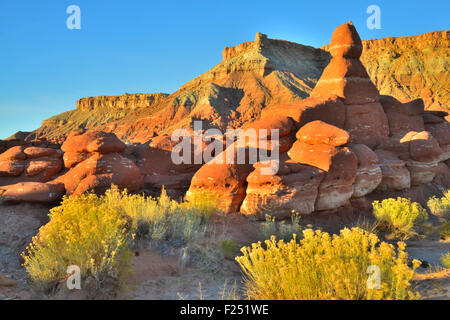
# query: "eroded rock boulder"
{"points": [[368, 172], [330, 110], [395, 174], [99, 172], [294, 187], [29, 164], [319, 132], [35, 192], [227, 181]]}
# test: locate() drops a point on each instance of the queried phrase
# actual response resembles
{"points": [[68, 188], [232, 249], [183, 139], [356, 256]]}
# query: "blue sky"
{"points": [[139, 46]]}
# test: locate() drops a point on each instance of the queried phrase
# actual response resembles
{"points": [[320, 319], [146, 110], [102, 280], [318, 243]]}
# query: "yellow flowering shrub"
{"points": [[445, 260], [399, 216], [440, 206], [83, 231], [324, 267], [163, 219], [96, 233]]}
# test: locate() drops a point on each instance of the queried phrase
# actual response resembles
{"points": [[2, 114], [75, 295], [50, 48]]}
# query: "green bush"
{"points": [[401, 217], [322, 267], [229, 248]]}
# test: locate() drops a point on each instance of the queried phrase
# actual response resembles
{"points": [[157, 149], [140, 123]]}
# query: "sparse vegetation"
{"points": [[229, 248], [444, 230], [163, 219], [231, 293], [440, 206], [96, 233], [401, 217], [445, 259], [281, 229], [325, 267]]}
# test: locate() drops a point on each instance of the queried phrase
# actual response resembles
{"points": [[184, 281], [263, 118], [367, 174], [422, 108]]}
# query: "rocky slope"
{"points": [[92, 112], [252, 76], [259, 74], [411, 67]]}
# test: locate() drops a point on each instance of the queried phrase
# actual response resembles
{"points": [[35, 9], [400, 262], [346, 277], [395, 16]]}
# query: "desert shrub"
{"points": [[281, 229], [445, 260], [400, 216], [163, 219], [82, 231], [229, 248], [96, 233], [444, 230], [440, 206], [324, 267], [205, 258]]}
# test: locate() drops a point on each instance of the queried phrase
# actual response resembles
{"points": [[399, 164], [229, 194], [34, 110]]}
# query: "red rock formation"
{"points": [[155, 162], [99, 172], [318, 132], [345, 98], [32, 164], [224, 180], [368, 172], [35, 192], [92, 141], [312, 176], [346, 77], [395, 174], [329, 161], [330, 110], [102, 167], [294, 188]]}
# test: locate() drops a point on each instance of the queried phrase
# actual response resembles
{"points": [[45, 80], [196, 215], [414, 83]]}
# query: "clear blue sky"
{"points": [[155, 46]]}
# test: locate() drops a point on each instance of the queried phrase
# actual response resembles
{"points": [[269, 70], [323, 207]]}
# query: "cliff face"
{"points": [[259, 74], [252, 76], [125, 101], [411, 67], [92, 112]]}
